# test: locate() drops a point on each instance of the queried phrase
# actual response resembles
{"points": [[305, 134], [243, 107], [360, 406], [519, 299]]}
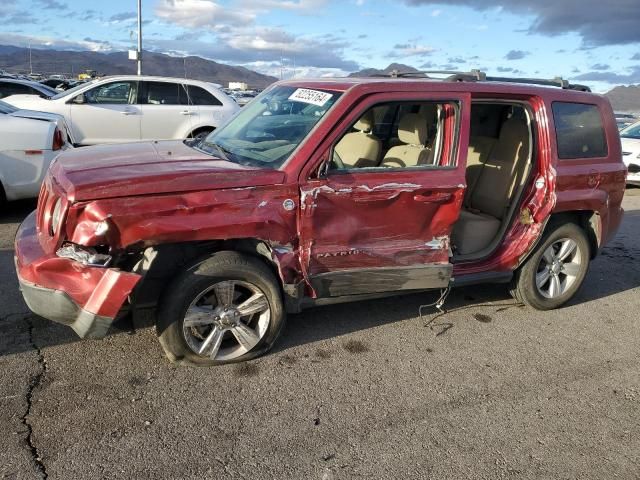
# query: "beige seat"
{"points": [[492, 193], [360, 148], [413, 131], [479, 151]]}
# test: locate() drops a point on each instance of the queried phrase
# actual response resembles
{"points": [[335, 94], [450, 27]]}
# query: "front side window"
{"points": [[579, 130], [116, 93], [199, 96], [398, 135], [164, 93], [268, 130]]}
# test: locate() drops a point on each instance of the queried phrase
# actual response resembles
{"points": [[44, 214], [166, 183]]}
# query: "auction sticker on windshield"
{"points": [[314, 97]]}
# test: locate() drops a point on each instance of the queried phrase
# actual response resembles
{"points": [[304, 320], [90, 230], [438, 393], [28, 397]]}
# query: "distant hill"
{"points": [[16, 60], [625, 98], [374, 72]]}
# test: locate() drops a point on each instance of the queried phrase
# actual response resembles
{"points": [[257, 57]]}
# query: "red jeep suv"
{"points": [[325, 191]]}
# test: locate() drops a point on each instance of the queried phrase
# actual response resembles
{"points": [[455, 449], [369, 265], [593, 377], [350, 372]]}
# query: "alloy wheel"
{"points": [[226, 320], [559, 268]]}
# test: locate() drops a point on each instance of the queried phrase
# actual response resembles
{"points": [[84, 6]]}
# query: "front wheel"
{"points": [[228, 308], [556, 270]]}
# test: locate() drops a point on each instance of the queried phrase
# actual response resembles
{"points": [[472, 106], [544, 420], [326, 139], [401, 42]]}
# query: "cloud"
{"points": [[458, 60], [600, 67], [201, 14], [636, 56], [264, 45], [599, 23], [516, 55], [52, 4], [123, 17], [301, 6], [47, 43], [612, 77], [409, 50]]}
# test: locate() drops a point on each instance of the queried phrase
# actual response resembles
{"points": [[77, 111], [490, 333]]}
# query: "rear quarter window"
{"points": [[579, 130], [199, 96]]}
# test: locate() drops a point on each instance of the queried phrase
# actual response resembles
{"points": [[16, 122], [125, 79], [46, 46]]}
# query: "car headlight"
{"points": [[84, 255], [55, 217]]}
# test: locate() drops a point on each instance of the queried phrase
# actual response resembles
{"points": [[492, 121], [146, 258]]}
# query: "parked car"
{"points": [[29, 141], [623, 120], [630, 138], [242, 98], [127, 108], [327, 191], [60, 85], [13, 86]]}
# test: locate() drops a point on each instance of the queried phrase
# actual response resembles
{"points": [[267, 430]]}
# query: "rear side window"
{"points": [[199, 96], [579, 130], [165, 93], [8, 89]]}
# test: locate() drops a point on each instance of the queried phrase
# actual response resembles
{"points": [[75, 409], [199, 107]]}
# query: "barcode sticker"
{"points": [[313, 97]]}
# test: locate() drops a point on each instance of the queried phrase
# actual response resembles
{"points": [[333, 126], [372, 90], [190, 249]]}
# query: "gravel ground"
{"points": [[368, 390]]}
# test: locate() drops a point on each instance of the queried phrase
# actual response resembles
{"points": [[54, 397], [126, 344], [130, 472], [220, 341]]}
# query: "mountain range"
{"points": [[71, 63], [16, 60]]}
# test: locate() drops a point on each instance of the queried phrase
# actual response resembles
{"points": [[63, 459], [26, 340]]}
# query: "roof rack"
{"points": [[480, 76]]}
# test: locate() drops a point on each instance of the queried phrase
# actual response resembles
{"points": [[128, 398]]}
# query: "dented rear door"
{"points": [[382, 230]]}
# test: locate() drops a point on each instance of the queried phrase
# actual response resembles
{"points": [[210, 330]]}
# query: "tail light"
{"points": [[58, 140]]}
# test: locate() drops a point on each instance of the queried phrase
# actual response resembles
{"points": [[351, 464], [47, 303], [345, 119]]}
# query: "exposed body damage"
{"points": [[151, 211]]}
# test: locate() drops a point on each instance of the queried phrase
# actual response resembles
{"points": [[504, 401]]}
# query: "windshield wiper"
{"points": [[224, 153]]}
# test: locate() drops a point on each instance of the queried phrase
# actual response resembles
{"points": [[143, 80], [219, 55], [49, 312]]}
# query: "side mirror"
{"points": [[79, 99]]}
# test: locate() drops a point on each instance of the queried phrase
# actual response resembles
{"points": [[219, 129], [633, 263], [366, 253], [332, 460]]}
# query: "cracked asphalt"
{"points": [[489, 390]]}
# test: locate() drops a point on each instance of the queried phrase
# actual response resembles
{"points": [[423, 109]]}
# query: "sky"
{"points": [[596, 42]]}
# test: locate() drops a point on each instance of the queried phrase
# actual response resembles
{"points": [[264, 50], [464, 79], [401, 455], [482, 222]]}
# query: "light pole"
{"points": [[139, 37]]}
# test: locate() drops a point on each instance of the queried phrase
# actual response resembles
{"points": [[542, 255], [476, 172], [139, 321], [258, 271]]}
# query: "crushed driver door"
{"points": [[384, 229]]}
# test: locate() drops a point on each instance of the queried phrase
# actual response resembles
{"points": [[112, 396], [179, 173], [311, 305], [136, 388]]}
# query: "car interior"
{"points": [[410, 135]]}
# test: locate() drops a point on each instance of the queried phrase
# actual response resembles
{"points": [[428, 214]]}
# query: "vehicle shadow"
{"points": [[16, 212], [615, 271]]}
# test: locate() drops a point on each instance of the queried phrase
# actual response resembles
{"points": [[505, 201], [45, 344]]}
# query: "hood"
{"points": [[630, 150], [26, 101], [148, 168], [49, 117]]}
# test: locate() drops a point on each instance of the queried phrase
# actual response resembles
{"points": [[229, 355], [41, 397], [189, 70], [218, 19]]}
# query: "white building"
{"points": [[238, 86]]}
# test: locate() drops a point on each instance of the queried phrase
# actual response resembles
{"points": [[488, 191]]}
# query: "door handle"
{"points": [[186, 112], [435, 197], [128, 112]]}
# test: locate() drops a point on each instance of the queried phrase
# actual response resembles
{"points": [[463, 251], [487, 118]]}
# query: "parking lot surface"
{"points": [[490, 389]]}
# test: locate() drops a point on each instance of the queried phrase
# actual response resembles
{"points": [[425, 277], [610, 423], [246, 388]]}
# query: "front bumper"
{"points": [[87, 299]]}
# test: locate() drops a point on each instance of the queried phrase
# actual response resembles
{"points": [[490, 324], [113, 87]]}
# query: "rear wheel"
{"points": [[556, 270], [225, 309]]}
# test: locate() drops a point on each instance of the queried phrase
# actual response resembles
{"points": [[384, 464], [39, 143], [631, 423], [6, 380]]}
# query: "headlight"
{"points": [[55, 217], [84, 255]]}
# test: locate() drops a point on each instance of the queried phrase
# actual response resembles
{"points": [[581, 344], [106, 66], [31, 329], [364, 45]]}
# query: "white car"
{"points": [[630, 138], [29, 142], [130, 108]]}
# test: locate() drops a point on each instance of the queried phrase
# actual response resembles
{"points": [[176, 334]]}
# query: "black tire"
{"points": [[219, 267], [524, 288]]}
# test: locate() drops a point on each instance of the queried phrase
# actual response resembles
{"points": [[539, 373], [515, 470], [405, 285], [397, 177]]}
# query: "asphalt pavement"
{"points": [[491, 389]]}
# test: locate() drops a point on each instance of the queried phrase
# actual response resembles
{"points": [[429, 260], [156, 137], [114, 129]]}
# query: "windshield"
{"points": [[632, 131], [71, 91], [47, 90], [270, 128], [6, 108]]}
